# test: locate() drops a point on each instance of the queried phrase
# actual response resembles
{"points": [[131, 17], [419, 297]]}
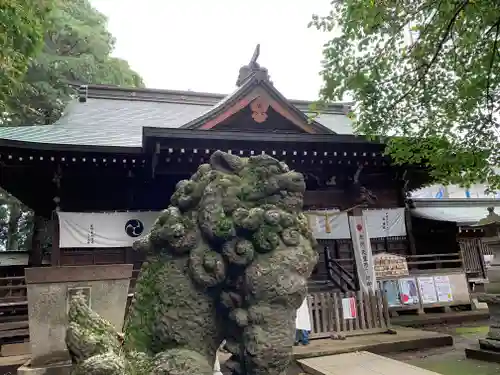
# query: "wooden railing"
{"points": [[338, 275], [434, 261], [13, 308], [325, 308], [327, 316], [12, 290]]}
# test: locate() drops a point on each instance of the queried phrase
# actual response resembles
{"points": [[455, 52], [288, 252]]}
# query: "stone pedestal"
{"points": [[49, 291], [55, 369], [489, 347]]}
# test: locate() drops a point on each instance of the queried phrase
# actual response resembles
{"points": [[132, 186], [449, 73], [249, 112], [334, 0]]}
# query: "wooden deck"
{"points": [[403, 339]]}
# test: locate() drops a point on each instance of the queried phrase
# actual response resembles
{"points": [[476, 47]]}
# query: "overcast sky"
{"points": [[200, 45]]}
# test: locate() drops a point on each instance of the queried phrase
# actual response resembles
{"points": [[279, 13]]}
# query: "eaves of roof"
{"points": [[454, 202]]}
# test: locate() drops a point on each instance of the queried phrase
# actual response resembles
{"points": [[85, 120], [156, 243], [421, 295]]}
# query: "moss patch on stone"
{"points": [[228, 259]]}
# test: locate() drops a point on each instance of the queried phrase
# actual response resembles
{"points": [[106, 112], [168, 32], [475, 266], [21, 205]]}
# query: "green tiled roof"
{"points": [[115, 117]]}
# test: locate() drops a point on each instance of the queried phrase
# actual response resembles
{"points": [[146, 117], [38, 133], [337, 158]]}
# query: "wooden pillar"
{"points": [[129, 255], [35, 255], [409, 231], [404, 200], [55, 256]]}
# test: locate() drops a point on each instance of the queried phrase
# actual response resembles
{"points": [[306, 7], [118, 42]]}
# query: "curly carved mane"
{"points": [[228, 259]]}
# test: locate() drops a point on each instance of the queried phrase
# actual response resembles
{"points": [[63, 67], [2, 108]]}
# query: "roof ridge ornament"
{"points": [[256, 54], [491, 219], [252, 69]]}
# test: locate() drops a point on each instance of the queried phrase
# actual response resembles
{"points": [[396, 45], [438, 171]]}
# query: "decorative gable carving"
{"points": [[259, 107], [256, 94]]}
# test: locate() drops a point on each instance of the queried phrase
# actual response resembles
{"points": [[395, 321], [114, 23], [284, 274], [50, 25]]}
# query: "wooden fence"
{"points": [[325, 309], [473, 251], [12, 289], [327, 316], [435, 261]]}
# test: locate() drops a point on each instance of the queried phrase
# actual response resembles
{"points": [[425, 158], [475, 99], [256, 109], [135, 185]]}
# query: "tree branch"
{"points": [[426, 27], [427, 66], [401, 27], [489, 99]]}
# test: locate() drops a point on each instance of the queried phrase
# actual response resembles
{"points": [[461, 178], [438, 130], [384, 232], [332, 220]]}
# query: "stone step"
{"points": [[359, 363]]}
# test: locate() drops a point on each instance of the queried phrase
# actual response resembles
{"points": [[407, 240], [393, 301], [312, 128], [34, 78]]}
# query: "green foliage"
{"points": [[427, 70], [140, 321], [16, 224], [76, 51], [21, 37]]}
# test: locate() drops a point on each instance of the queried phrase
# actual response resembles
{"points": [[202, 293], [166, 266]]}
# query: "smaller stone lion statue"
{"points": [[228, 260]]}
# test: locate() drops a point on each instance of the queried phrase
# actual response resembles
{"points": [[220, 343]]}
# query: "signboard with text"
{"points": [[362, 253]]}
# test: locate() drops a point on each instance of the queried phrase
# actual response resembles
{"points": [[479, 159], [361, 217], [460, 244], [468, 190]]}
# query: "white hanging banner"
{"points": [[329, 224], [112, 229], [362, 253], [386, 222]]}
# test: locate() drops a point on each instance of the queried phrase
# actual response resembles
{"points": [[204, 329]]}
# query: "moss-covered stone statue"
{"points": [[229, 259]]}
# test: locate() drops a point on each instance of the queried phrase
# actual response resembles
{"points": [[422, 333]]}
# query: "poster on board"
{"points": [[349, 308], [409, 291], [443, 288], [487, 260], [427, 289], [391, 290]]}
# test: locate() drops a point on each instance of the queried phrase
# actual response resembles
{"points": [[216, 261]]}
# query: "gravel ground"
{"points": [[447, 360], [451, 360]]}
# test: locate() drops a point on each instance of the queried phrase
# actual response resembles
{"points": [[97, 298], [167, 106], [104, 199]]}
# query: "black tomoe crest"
{"points": [[134, 227]]}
